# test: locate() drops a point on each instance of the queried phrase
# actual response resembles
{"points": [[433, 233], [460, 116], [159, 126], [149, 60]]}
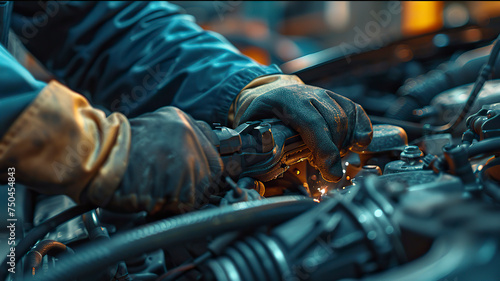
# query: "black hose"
{"points": [[489, 146], [35, 256], [96, 255], [177, 272], [40, 231]]}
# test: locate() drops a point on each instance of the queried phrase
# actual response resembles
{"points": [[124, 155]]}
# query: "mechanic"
{"points": [[119, 127]]}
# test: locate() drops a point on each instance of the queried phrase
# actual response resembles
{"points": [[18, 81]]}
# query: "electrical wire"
{"points": [[179, 271], [215, 248], [238, 191], [34, 258], [478, 85]]}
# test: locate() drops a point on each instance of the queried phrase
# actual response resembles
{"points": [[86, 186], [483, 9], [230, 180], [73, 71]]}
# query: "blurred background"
{"points": [[279, 31], [301, 34]]}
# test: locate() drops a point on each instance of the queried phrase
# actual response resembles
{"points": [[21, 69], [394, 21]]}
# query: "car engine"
{"points": [[421, 202]]}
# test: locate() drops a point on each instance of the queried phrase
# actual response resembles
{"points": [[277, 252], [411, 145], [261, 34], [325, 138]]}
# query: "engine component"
{"points": [[41, 230], [486, 122], [97, 255], [338, 239], [458, 163], [490, 171], [411, 160], [422, 91], [358, 235], [424, 218], [96, 231], [266, 149], [433, 144], [387, 144], [444, 107], [44, 247], [484, 74]]}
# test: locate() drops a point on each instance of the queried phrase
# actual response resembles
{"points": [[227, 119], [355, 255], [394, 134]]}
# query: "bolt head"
{"points": [[491, 113], [411, 154]]}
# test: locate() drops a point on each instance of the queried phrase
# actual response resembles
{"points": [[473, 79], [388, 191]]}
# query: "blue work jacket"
{"points": [[130, 57]]}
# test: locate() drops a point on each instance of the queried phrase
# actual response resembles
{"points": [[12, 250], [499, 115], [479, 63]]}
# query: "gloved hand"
{"points": [[328, 123], [173, 165], [159, 162]]}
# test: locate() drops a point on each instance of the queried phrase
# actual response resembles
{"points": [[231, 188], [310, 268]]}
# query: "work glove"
{"points": [[328, 123], [161, 162], [173, 164]]}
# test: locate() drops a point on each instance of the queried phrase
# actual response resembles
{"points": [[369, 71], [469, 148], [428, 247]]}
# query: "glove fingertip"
{"points": [[333, 173], [363, 132]]}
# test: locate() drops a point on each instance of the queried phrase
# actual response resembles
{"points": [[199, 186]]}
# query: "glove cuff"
{"points": [[60, 144], [255, 88]]}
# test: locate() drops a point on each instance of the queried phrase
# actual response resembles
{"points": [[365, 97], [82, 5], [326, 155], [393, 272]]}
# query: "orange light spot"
{"points": [[473, 35], [259, 55], [421, 17]]}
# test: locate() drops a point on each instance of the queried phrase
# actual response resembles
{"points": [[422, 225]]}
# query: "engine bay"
{"points": [[419, 203]]}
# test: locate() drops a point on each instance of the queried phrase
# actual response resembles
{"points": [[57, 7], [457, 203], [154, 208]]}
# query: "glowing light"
{"points": [[362, 218], [421, 17], [473, 35], [440, 40], [403, 52]]}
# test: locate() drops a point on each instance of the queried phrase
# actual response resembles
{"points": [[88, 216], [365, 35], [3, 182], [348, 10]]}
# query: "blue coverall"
{"points": [[130, 57]]}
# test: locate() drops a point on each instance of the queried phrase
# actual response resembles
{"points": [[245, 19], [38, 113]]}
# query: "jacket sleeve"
{"points": [[18, 89], [134, 57], [56, 142]]}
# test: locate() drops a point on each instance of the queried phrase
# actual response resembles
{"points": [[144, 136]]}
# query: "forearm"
{"points": [[60, 144]]}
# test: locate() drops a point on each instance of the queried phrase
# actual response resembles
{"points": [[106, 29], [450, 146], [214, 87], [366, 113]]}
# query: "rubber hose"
{"points": [[40, 231], [485, 146], [96, 255], [35, 255]]}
